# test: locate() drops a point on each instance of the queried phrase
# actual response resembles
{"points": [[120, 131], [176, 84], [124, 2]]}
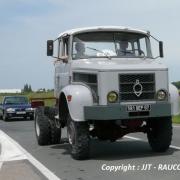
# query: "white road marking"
{"points": [[139, 139], [11, 150], [175, 147], [1, 163], [133, 138], [176, 126]]}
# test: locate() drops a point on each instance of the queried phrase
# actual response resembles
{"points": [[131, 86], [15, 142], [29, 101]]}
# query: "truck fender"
{"points": [[77, 96], [174, 99]]}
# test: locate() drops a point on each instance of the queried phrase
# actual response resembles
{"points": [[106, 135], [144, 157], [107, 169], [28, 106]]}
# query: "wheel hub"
{"points": [[70, 134], [37, 128]]}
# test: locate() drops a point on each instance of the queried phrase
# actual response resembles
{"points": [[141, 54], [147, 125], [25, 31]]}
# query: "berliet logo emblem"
{"points": [[137, 88]]}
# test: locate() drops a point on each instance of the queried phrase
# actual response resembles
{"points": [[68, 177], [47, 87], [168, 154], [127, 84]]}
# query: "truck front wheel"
{"points": [[160, 134], [78, 136]]}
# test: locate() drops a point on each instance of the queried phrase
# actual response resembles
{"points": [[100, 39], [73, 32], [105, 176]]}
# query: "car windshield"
{"points": [[111, 44], [16, 100]]}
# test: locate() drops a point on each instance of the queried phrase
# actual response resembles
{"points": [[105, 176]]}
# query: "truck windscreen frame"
{"points": [[112, 44]]}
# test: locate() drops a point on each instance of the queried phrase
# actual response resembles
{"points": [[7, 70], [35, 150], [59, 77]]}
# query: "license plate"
{"points": [[136, 108], [21, 112]]}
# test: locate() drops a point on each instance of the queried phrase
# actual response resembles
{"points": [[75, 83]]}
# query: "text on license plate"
{"points": [[21, 112], [132, 108]]}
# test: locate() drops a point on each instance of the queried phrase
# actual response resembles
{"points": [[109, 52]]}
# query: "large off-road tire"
{"points": [[55, 133], [160, 134], [42, 127], [51, 112], [78, 136]]}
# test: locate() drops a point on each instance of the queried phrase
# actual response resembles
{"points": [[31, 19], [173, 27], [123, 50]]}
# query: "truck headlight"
{"points": [[10, 110], [161, 95], [112, 97]]}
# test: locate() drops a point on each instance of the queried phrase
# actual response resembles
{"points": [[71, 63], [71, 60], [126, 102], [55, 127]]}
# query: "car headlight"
{"points": [[112, 97], [161, 95], [10, 110], [29, 109]]}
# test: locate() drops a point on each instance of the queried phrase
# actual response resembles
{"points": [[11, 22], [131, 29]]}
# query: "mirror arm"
{"points": [[153, 37], [160, 45]]}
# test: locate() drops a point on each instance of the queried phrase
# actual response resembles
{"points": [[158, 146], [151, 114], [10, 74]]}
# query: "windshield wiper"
{"points": [[141, 53], [97, 50], [130, 52]]}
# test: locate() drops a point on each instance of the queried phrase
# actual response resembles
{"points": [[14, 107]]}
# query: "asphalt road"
{"points": [[133, 153]]}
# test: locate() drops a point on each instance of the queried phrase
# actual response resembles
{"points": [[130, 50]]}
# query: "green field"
{"points": [[176, 119]]}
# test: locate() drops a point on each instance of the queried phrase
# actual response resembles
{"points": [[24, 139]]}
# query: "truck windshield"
{"points": [[16, 100], [111, 44]]}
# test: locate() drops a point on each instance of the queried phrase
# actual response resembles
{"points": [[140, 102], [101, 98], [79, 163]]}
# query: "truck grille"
{"points": [[135, 87]]}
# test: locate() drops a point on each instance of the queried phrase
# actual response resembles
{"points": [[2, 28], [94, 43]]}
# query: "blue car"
{"points": [[16, 107]]}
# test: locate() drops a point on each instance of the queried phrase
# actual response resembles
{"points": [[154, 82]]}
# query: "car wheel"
{"points": [[31, 117], [5, 117]]}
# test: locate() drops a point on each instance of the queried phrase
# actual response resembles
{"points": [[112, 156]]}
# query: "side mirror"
{"points": [[161, 54], [50, 47]]}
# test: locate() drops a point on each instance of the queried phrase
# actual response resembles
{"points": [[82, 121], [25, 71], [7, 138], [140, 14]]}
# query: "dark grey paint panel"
{"points": [[116, 112]]}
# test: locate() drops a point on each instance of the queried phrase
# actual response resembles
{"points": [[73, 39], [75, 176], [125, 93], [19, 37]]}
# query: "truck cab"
{"points": [[107, 84]]}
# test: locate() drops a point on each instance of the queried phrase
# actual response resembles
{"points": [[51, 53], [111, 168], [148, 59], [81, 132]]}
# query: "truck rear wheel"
{"points": [[78, 136], [42, 127], [160, 134], [51, 112], [55, 134]]}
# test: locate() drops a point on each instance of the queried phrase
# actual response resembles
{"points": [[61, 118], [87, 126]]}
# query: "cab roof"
{"points": [[102, 28]]}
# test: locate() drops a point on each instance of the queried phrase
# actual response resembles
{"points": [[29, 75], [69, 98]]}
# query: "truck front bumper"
{"points": [[118, 112]]}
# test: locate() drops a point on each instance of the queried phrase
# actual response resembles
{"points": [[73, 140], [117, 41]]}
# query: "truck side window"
{"points": [[56, 48], [143, 46], [65, 51]]}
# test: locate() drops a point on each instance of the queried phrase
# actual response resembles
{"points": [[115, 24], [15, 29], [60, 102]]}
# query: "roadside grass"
{"points": [[48, 102], [176, 119]]}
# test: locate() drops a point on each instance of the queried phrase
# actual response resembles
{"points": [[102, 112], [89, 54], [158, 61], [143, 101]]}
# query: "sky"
{"points": [[25, 25]]}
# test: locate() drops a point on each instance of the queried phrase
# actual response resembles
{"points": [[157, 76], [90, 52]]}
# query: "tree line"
{"points": [[27, 89]]}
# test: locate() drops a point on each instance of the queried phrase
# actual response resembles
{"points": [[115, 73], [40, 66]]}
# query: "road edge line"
{"points": [[44, 170], [139, 139]]}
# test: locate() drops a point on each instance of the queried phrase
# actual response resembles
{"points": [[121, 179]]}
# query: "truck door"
{"points": [[66, 72], [61, 67]]}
